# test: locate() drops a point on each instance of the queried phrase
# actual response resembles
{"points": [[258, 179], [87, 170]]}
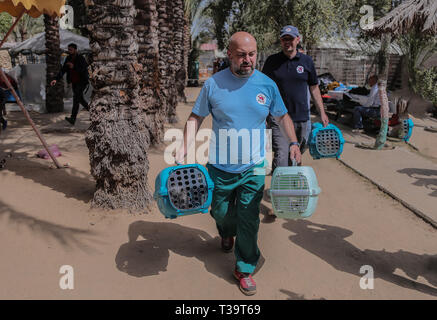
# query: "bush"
{"points": [[427, 84]]}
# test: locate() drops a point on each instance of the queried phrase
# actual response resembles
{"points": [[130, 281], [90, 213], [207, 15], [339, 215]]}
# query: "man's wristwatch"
{"points": [[294, 144]]}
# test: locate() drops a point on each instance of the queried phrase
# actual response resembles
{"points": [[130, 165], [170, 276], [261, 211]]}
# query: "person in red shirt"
{"points": [[76, 68]]}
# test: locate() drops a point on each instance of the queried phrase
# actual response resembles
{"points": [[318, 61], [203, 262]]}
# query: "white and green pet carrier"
{"points": [[294, 192]]}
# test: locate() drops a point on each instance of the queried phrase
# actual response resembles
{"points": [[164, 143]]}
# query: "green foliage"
{"points": [[315, 19], [417, 48], [5, 22], [427, 84], [264, 19], [26, 27]]}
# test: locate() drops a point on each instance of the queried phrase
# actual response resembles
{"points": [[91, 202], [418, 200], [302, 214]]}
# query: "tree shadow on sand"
{"points": [[69, 181], [150, 256], [424, 178], [329, 244], [69, 238]]}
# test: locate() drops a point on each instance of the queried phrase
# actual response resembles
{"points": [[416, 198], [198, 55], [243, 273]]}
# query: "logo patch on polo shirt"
{"points": [[300, 69], [261, 99]]}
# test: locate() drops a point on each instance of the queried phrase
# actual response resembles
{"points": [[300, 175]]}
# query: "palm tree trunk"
{"points": [[54, 95], [168, 54], [173, 13], [80, 15], [181, 28], [384, 57], [146, 25], [165, 58], [118, 138], [187, 50]]}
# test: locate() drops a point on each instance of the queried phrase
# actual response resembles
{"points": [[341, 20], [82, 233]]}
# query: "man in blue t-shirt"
{"points": [[296, 77], [239, 99]]}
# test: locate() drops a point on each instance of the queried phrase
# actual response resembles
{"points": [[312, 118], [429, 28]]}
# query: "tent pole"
{"points": [[12, 28], [6, 80]]}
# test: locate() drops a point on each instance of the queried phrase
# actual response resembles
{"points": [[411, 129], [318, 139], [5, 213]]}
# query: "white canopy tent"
{"points": [[37, 44]]}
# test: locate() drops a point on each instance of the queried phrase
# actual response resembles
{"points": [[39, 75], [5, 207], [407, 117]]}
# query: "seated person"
{"points": [[371, 108]]}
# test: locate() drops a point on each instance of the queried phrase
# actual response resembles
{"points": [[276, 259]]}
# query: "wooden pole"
{"points": [[6, 80], [384, 60]]}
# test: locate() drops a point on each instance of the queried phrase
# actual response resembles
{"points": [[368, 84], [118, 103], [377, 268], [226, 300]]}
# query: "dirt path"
{"points": [[46, 222]]}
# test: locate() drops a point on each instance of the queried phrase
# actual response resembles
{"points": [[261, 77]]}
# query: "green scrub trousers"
{"points": [[235, 208]]}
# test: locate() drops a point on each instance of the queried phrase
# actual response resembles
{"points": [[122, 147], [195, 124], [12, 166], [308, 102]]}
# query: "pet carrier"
{"points": [[325, 142], [294, 192], [407, 129], [183, 190]]}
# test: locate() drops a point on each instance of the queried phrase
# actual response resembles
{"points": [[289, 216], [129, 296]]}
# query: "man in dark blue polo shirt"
{"points": [[296, 77]]}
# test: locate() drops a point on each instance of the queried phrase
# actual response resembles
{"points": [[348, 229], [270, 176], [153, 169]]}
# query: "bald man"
{"points": [[239, 98]]}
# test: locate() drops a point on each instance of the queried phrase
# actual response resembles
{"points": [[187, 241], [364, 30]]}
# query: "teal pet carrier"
{"points": [[294, 192], [407, 129], [183, 190], [325, 142]]}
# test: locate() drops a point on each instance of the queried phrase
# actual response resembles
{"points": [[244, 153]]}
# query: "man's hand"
{"points": [[295, 153], [180, 155], [325, 119], [53, 83], [70, 65]]}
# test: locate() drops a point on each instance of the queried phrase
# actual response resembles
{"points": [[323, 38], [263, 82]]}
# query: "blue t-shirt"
{"points": [[239, 108], [293, 76]]}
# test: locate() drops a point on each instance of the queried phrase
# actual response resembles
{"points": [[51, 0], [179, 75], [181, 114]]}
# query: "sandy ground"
{"points": [[46, 222]]}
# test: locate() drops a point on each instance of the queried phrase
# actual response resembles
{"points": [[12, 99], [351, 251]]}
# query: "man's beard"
{"points": [[244, 73]]}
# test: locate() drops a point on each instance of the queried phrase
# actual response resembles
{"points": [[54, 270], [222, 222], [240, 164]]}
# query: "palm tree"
{"points": [[146, 25], [54, 95], [118, 138], [182, 40], [175, 10], [80, 15]]}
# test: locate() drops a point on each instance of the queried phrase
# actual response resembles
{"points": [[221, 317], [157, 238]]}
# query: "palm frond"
{"points": [[412, 14]]}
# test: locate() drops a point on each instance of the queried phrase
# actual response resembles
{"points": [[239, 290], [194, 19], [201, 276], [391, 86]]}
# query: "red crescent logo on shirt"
{"points": [[261, 98], [300, 69]]}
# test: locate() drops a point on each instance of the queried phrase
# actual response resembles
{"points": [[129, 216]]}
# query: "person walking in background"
{"points": [[76, 68], [296, 77]]}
